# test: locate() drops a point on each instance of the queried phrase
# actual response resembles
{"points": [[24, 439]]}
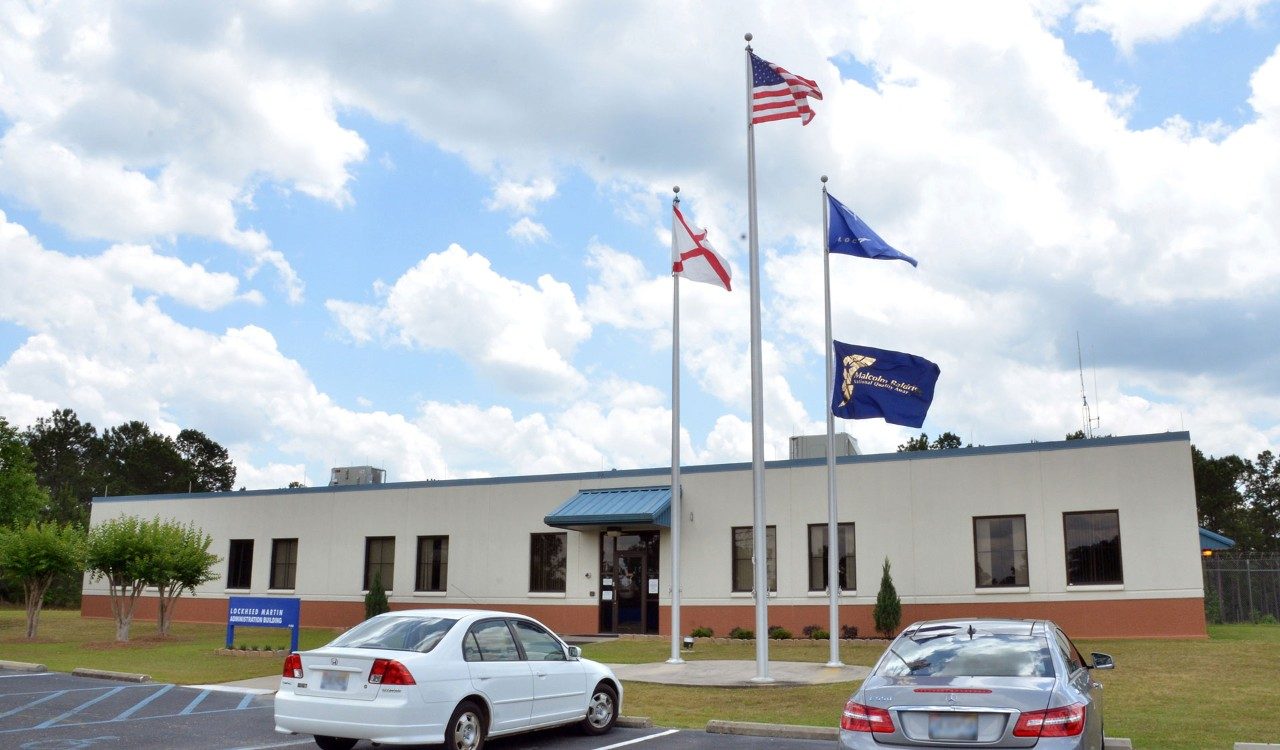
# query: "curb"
{"points": [[1253, 746], [105, 674], [635, 722], [23, 666], [791, 731]]}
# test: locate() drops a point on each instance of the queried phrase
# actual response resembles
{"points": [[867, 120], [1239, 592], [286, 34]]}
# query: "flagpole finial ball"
{"points": [[675, 189], [824, 179], [747, 37]]}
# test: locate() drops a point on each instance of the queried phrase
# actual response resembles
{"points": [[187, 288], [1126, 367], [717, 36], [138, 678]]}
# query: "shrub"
{"points": [[779, 633], [820, 635], [375, 602], [848, 631], [809, 630], [888, 611], [701, 632], [742, 634]]}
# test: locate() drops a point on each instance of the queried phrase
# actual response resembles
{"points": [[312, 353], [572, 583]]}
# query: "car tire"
{"points": [[602, 710], [334, 743], [465, 730]]}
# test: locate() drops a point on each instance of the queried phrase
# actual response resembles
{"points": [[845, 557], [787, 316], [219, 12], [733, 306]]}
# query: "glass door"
{"points": [[629, 582]]}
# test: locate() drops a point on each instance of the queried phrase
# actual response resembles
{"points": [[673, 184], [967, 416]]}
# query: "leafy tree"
{"points": [[1077, 435], [21, 498], [117, 551], [1220, 505], [945, 441], [178, 560], [34, 554], [375, 602], [1261, 491], [209, 467], [68, 460], [138, 461], [888, 611]]}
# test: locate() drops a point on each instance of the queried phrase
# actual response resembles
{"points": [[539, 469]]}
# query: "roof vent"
{"points": [[346, 475]]}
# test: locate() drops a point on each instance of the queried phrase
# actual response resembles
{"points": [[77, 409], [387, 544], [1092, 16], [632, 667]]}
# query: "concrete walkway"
{"points": [[728, 673]]}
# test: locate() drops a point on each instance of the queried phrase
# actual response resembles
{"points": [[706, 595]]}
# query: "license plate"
{"points": [[953, 727], [333, 681]]}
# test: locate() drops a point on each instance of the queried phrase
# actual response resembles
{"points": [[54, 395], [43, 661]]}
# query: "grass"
{"points": [[1163, 694]]}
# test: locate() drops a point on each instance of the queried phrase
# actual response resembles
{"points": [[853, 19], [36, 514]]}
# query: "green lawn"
{"points": [[1163, 694]]}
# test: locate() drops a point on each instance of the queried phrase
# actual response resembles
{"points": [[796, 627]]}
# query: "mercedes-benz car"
{"points": [[979, 683], [443, 675]]}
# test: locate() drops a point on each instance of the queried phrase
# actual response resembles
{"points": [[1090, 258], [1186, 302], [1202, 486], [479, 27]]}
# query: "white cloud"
{"points": [[521, 198], [1131, 23], [528, 231]]}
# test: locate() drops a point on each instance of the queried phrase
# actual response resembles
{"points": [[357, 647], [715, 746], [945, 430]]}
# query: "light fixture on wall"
{"points": [[613, 531]]}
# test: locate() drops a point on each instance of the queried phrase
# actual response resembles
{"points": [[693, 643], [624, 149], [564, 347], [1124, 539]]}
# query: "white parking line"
{"points": [[24, 674], [294, 743], [639, 740]]}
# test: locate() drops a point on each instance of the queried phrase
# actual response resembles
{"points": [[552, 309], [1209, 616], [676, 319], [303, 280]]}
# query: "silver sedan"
{"points": [[978, 683]]}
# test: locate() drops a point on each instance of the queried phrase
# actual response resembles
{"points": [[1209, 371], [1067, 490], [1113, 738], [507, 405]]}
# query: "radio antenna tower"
{"points": [[1090, 421]]}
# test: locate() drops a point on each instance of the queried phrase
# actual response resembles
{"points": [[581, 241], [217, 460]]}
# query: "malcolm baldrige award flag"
{"points": [[875, 383]]}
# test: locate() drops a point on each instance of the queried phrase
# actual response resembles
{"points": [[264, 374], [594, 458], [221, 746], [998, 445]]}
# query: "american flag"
{"points": [[777, 94]]}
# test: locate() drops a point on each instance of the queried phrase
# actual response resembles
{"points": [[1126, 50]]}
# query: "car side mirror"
{"points": [[1102, 661], [575, 653]]}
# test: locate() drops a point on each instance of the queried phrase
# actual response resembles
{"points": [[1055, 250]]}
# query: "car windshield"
{"points": [[396, 633], [967, 653]]}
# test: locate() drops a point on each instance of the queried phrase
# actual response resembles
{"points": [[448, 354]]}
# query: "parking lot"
{"points": [[56, 711]]}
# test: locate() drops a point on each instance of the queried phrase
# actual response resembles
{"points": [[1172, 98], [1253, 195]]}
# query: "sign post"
{"points": [[263, 612]]}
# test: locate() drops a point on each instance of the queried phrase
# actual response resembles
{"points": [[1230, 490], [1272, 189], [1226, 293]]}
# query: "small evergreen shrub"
{"points": [[888, 611], [742, 634], [779, 633], [375, 602], [701, 632]]}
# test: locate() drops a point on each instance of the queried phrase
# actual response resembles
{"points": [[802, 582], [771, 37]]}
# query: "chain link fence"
{"points": [[1241, 588]]}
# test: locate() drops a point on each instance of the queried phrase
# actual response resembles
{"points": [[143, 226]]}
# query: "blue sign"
{"points": [[264, 612]]}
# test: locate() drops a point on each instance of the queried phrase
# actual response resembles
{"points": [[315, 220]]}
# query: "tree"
{"points": [[34, 554], [138, 461], [375, 602], [117, 551], [1220, 505], [209, 468], [888, 611], [68, 461], [945, 441], [1261, 490], [178, 560], [21, 497]]}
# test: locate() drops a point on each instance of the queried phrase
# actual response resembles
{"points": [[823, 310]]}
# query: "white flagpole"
{"points": [[833, 545], [759, 553], [675, 443]]}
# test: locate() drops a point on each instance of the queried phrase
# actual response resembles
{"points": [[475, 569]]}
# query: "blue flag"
{"points": [[878, 383], [850, 235]]}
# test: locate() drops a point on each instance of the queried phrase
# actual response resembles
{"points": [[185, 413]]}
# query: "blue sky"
{"points": [[436, 240]]}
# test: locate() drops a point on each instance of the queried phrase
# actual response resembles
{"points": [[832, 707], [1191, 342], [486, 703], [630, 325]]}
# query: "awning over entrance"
{"points": [[633, 507]]}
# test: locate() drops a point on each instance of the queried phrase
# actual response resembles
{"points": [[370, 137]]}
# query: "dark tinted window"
{"points": [[547, 559], [396, 633], [1093, 547], [1000, 551], [433, 564], [955, 652], [743, 546], [284, 563], [240, 564], [379, 561], [818, 557]]}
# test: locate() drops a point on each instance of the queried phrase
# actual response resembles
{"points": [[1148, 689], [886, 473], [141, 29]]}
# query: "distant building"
{"points": [[1099, 535]]}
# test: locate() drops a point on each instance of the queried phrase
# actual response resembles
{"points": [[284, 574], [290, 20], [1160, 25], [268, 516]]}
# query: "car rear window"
{"points": [[961, 653], [396, 633]]}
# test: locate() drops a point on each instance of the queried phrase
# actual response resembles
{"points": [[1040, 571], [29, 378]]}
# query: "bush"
{"points": [[888, 611], [820, 635], [848, 631], [779, 633], [742, 634], [701, 632], [375, 602], [1265, 619]]}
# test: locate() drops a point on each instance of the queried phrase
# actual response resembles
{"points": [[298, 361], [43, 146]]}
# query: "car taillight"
{"points": [[389, 672], [292, 666], [1067, 721], [860, 718]]}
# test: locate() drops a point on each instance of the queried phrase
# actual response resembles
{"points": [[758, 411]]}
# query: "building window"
{"points": [[547, 558], [240, 564], [1093, 547], [1000, 551], [743, 546], [284, 563], [379, 561], [818, 557], [433, 564]]}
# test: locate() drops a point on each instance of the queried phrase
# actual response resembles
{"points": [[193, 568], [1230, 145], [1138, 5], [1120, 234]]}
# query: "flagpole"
{"points": [[833, 546], [759, 552], [675, 442]]}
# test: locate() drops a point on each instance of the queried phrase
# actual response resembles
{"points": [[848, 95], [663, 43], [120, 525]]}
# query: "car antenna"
{"points": [[972, 632]]}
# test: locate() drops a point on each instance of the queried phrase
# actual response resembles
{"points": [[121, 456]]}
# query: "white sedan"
{"points": [[456, 676]]}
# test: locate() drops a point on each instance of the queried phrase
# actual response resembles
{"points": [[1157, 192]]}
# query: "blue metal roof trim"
{"points": [[1214, 540], [630, 505], [656, 473]]}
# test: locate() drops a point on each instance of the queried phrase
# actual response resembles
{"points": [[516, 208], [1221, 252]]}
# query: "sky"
{"points": [[435, 238]]}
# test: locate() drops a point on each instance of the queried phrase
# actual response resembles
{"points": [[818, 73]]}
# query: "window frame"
{"points": [[977, 581], [850, 570], [541, 577], [240, 567], [440, 564], [1067, 547], [387, 568], [771, 555], [284, 571]]}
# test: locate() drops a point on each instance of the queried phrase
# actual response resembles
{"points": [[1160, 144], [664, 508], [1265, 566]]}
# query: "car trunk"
{"points": [[959, 710], [338, 673]]}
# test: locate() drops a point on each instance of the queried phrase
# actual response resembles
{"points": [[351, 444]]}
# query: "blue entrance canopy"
{"points": [[1213, 540], [631, 506]]}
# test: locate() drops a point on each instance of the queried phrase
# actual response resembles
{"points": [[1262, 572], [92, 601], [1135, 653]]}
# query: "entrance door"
{"points": [[629, 582]]}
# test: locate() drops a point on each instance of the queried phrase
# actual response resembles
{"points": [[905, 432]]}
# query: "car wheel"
{"points": [[466, 728], [602, 711], [335, 743]]}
